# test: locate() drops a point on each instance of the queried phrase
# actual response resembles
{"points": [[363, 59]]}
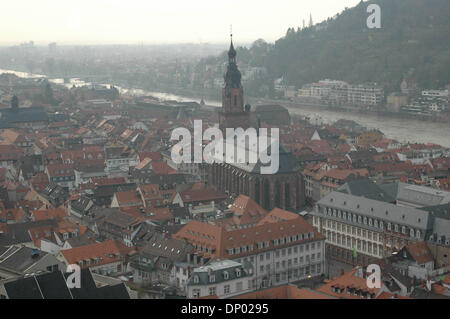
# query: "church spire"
{"points": [[233, 113], [232, 76], [231, 51]]}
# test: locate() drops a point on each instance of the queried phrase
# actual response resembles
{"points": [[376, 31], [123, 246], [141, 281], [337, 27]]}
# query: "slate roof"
{"points": [[170, 248], [118, 291], [418, 195], [25, 288], [376, 209], [367, 188], [224, 270], [53, 286], [9, 117], [20, 258], [18, 233], [288, 163]]}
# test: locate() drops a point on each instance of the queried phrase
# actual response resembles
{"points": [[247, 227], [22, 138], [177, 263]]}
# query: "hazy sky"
{"points": [[156, 21]]}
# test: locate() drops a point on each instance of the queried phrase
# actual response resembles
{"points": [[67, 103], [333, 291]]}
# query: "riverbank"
{"points": [[395, 126], [214, 99]]}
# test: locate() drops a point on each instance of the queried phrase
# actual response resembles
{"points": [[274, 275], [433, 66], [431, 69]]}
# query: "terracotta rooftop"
{"points": [[106, 252], [420, 252]]}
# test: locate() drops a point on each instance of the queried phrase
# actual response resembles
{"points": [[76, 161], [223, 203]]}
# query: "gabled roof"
{"points": [[419, 252], [53, 285], [284, 292], [128, 197], [202, 195], [19, 233], [105, 252], [376, 209], [220, 240], [245, 206], [345, 285], [54, 213], [162, 246], [56, 170], [19, 259], [24, 288], [366, 188]]}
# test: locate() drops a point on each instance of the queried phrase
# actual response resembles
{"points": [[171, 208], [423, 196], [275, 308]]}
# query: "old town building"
{"points": [[285, 188]]}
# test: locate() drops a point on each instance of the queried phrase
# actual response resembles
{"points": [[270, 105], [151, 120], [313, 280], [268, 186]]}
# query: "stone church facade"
{"points": [[285, 189]]}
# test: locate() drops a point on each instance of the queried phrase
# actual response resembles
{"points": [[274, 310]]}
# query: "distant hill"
{"points": [[413, 42]]}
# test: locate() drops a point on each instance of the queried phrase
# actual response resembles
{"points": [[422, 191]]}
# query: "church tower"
{"points": [[233, 113]]}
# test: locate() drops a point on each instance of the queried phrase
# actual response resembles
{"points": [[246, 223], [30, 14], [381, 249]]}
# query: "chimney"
{"points": [[195, 259]]}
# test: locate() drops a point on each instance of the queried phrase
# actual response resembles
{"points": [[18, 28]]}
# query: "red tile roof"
{"points": [[161, 168], [56, 170], [221, 240], [202, 195], [10, 153], [55, 213], [349, 280], [106, 252], [128, 197], [284, 292], [12, 214], [245, 205], [420, 252], [108, 181]]}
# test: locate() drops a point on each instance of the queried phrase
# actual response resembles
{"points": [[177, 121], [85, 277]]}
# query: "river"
{"points": [[403, 130]]}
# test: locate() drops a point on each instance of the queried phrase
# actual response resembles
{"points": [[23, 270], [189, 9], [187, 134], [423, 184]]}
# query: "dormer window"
{"points": [[196, 279], [226, 275], [212, 278], [238, 272]]}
